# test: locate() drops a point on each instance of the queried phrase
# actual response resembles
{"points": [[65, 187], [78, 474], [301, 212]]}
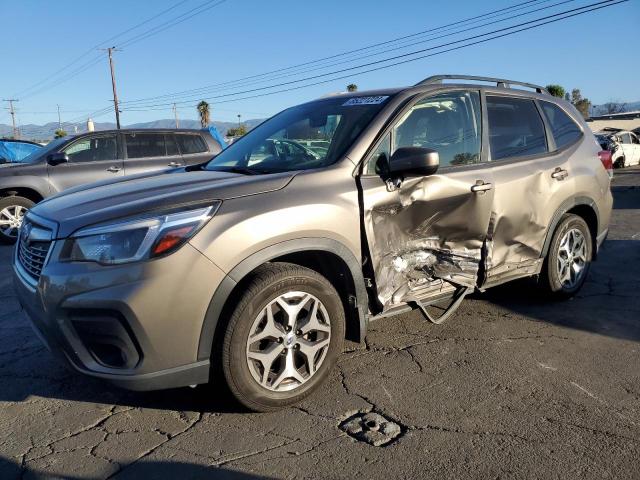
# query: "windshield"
{"points": [[308, 136], [48, 148]]}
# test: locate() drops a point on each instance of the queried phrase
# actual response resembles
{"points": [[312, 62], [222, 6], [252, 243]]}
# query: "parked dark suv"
{"points": [[92, 157], [258, 264]]}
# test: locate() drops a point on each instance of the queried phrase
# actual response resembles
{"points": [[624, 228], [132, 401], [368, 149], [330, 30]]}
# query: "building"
{"points": [[623, 121]]}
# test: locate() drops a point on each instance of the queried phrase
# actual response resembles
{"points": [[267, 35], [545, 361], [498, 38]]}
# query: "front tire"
{"points": [[12, 211], [567, 264], [283, 337]]}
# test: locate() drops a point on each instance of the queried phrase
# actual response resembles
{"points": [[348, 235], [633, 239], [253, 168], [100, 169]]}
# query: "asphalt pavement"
{"points": [[512, 386]]}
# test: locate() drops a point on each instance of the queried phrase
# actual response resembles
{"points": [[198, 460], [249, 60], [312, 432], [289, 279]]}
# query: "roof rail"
{"points": [[500, 82]]}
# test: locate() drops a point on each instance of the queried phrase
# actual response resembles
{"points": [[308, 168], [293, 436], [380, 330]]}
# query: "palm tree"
{"points": [[203, 110], [352, 87]]}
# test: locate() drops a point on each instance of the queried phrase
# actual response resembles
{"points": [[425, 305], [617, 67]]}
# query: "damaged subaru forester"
{"points": [[253, 268]]}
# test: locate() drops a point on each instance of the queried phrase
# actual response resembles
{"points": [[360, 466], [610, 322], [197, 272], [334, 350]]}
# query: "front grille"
{"points": [[32, 254]]}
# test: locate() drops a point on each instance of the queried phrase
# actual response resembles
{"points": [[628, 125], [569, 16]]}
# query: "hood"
{"points": [[138, 194]]}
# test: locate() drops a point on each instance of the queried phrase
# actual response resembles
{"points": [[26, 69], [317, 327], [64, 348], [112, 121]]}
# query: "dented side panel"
{"points": [[427, 230], [526, 199]]}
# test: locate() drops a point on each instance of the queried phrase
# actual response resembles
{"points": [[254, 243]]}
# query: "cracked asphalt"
{"points": [[511, 387]]}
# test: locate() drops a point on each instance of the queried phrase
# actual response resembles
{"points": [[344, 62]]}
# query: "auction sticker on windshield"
{"points": [[365, 100]]}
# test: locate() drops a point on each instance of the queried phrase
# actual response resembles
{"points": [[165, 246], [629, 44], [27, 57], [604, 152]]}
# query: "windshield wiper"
{"points": [[240, 170]]}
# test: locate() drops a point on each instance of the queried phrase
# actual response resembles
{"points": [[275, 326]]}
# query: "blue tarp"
{"points": [[217, 137], [14, 151]]}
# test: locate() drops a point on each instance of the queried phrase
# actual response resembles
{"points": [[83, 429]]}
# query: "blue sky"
{"points": [[596, 52]]}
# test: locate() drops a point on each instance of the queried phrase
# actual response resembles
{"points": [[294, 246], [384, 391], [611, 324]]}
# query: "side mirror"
{"points": [[414, 161], [57, 158]]}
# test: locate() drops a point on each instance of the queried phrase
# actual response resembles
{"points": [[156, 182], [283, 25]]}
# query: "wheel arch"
{"points": [[584, 207], [326, 256], [26, 192]]}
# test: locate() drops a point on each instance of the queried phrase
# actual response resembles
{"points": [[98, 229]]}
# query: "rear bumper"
{"points": [[137, 326]]}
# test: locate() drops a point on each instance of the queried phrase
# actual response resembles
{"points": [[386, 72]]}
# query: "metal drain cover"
{"points": [[371, 428]]}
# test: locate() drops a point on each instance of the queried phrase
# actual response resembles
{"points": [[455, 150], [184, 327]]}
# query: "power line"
{"points": [[162, 27], [135, 39], [204, 89], [95, 47], [562, 16], [426, 56]]}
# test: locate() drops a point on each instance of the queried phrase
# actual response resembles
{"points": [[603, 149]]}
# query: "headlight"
{"points": [[136, 239]]}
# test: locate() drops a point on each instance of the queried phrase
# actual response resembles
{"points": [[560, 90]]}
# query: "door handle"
{"points": [[174, 164], [480, 186], [114, 169], [559, 174]]}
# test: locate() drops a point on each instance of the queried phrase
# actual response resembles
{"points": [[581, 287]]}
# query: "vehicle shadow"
{"points": [[147, 470], [607, 303]]}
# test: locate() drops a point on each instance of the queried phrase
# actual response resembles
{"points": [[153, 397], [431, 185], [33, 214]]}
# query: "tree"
{"points": [[612, 107], [582, 104], [203, 111], [352, 87], [556, 90], [237, 132], [59, 133]]}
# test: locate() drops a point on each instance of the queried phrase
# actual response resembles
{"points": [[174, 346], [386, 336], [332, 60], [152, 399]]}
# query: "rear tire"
{"points": [[12, 210], [283, 337], [566, 266]]}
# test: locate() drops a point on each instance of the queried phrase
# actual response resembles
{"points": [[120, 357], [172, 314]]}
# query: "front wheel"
{"points": [[570, 252], [283, 337], [12, 211]]}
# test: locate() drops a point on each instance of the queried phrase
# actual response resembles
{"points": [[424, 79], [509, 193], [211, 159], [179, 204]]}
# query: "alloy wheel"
{"points": [[572, 258], [288, 341], [11, 220]]}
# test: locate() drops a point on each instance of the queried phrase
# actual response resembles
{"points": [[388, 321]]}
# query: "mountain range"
{"points": [[45, 132]]}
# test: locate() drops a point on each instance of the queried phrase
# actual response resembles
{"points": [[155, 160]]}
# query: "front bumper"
{"points": [[136, 325]]}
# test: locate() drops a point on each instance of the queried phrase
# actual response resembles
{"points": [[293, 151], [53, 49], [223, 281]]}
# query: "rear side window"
{"points": [[564, 129], [191, 144], [515, 128], [141, 145]]}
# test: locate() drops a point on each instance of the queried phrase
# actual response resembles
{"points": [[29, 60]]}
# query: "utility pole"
{"points": [[239, 117], [12, 110], [110, 51], [175, 114], [59, 121]]}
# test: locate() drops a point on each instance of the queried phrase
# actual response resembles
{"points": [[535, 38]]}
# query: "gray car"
{"points": [[91, 157], [253, 268]]}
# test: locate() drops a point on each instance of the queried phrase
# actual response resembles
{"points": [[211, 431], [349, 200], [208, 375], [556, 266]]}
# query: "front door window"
{"points": [[93, 149]]}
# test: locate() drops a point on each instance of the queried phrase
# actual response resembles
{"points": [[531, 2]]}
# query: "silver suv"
{"points": [[254, 267]]}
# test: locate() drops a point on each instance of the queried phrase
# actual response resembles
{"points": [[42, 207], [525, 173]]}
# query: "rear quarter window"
{"points": [[564, 129], [191, 144], [515, 128]]}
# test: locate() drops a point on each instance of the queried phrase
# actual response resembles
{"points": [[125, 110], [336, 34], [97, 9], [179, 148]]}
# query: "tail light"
{"points": [[607, 161]]}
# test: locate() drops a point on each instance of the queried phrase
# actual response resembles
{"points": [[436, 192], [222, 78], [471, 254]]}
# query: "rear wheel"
{"points": [[12, 211], [620, 163], [570, 252], [283, 337]]}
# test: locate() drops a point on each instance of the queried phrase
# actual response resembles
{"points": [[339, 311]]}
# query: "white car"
{"points": [[630, 144], [623, 145]]}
